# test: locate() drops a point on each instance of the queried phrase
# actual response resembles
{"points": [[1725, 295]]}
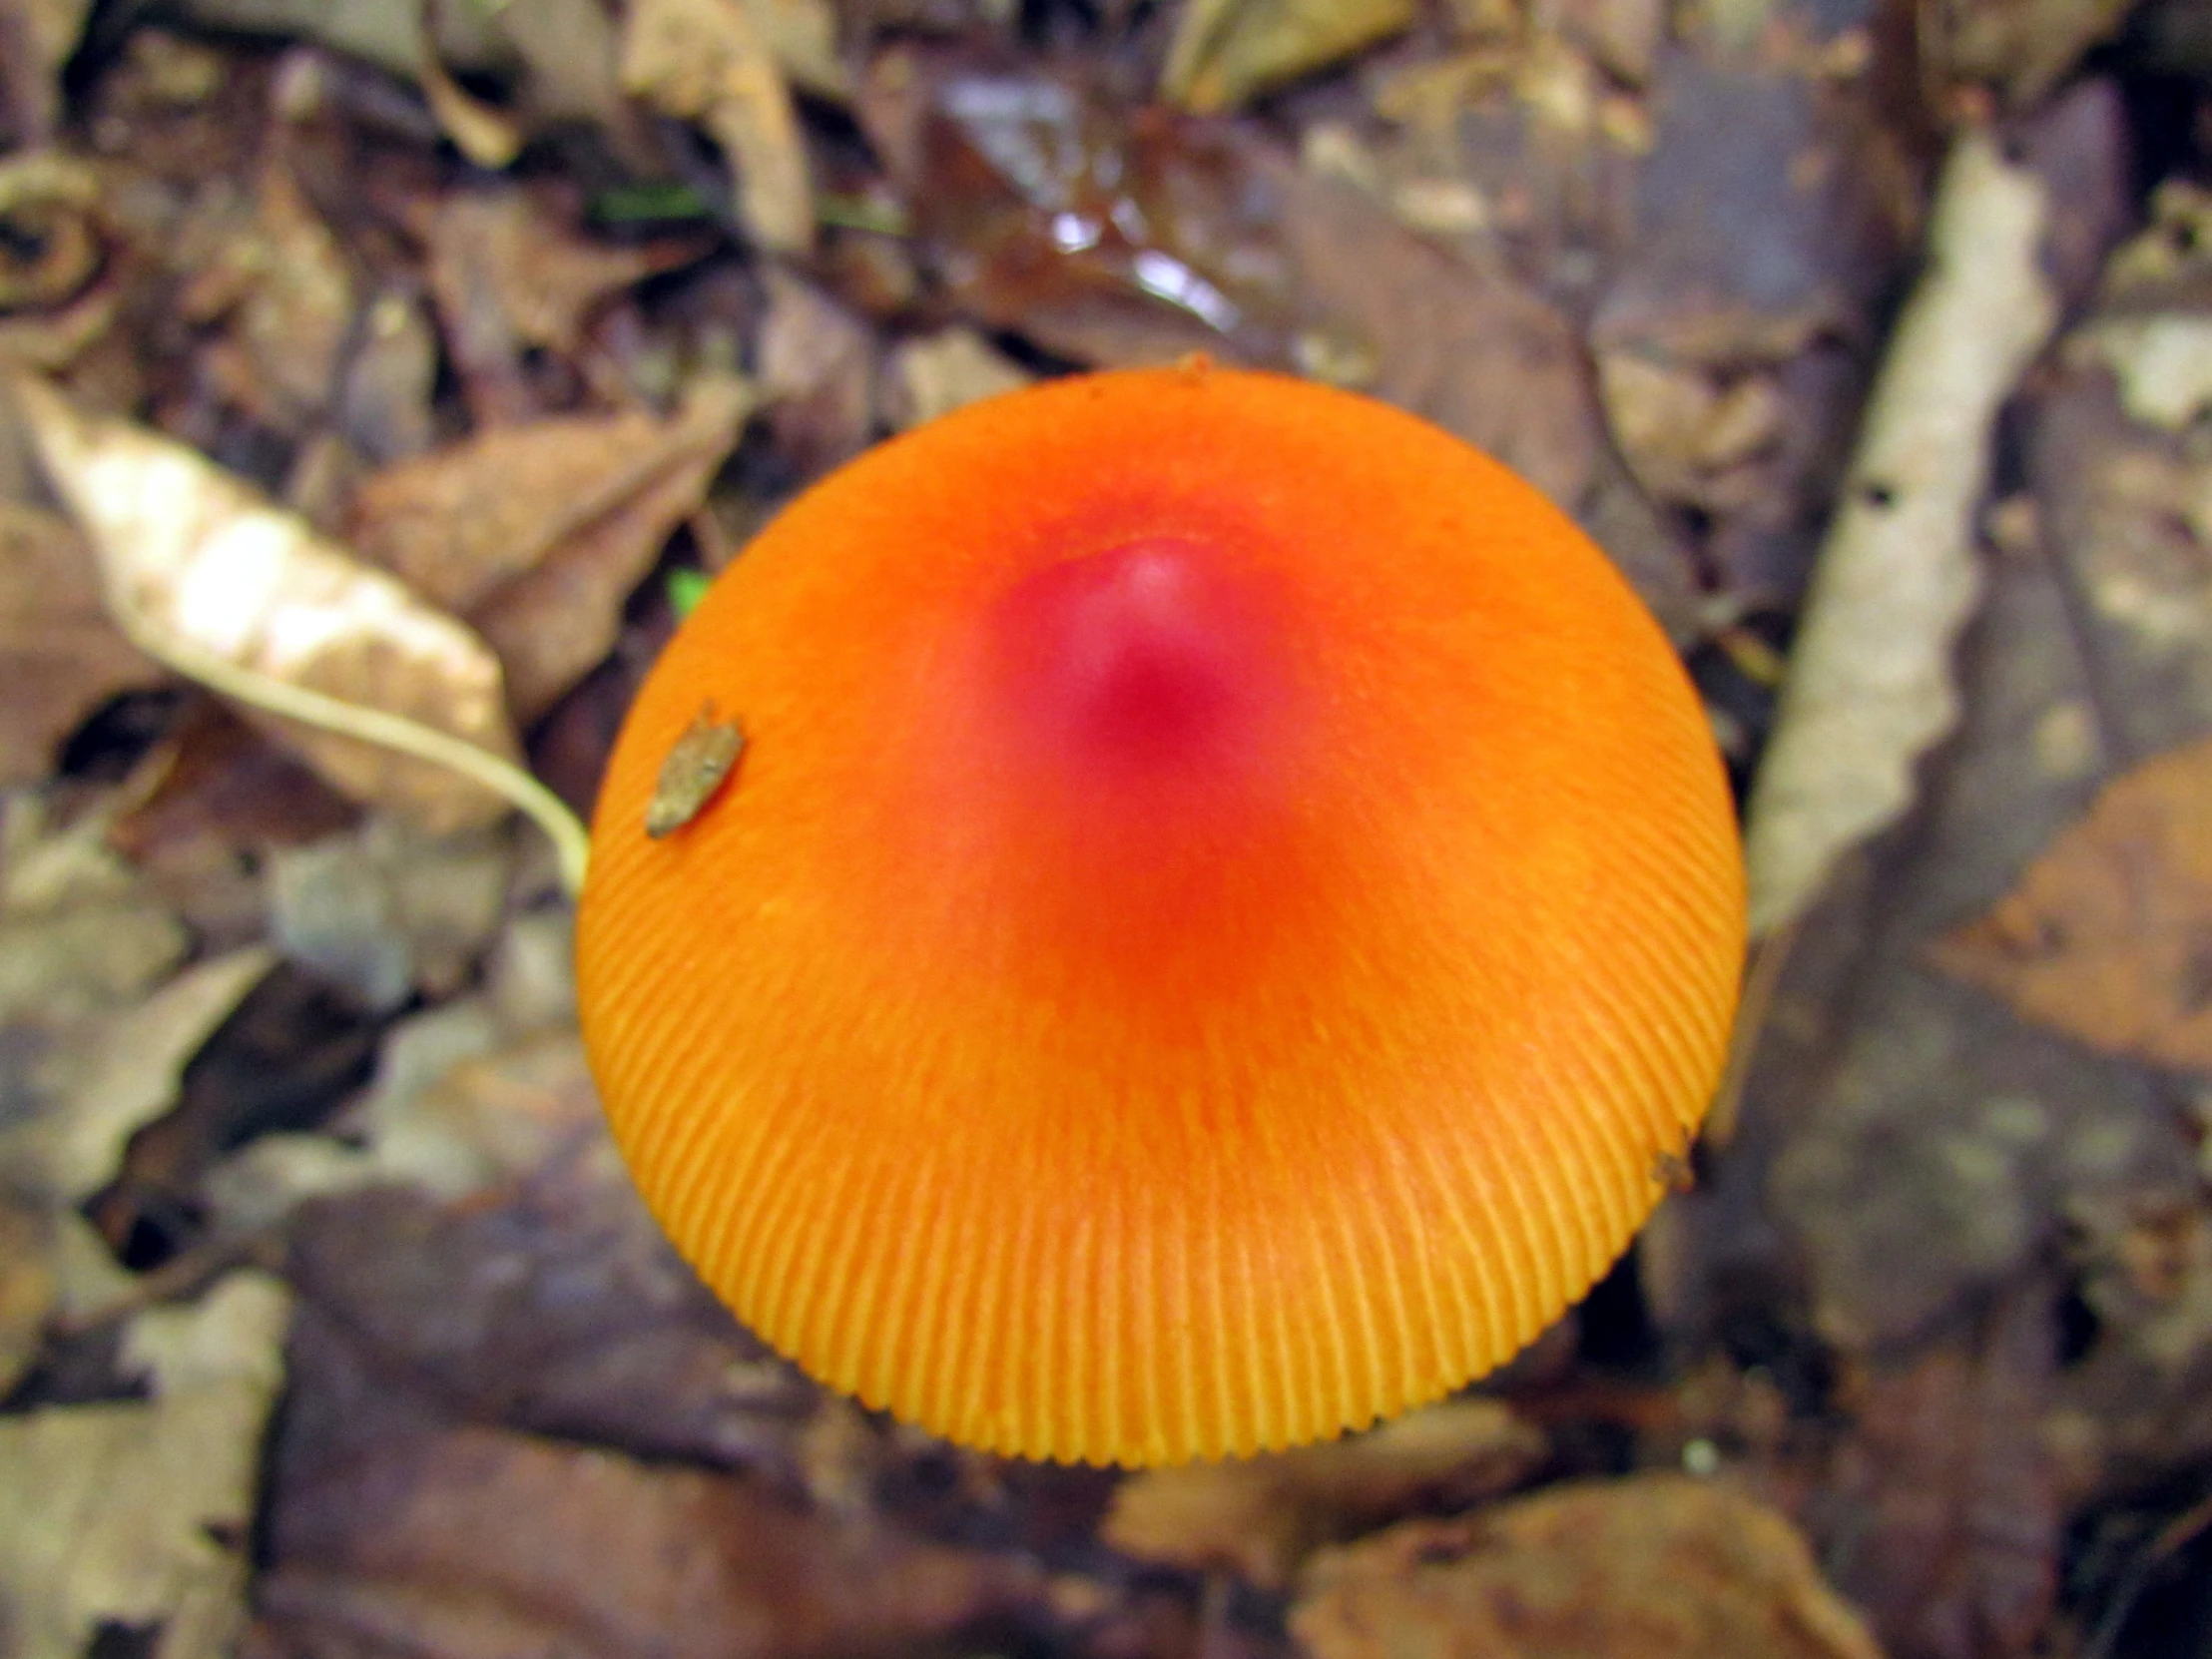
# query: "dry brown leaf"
{"points": [[299, 310], [1947, 1494], [60, 656], [194, 560], [817, 371], [507, 275], [1225, 51], [1656, 1566], [478, 1543], [36, 40], [709, 61], [2108, 936], [143, 1509], [504, 246], [538, 534], [1260, 1516]]}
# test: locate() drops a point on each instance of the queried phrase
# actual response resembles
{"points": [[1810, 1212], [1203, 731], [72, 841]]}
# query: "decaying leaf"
{"points": [[709, 61], [74, 1147], [1260, 1516], [1225, 51], [2108, 936], [142, 1510], [60, 656], [537, 535], [300, 306], [196, 563], [818, 368], [694, 772], [79, 933], [1870, 687], [1947, 1491], [1657, 1566], [503, 248], [388, 911], [457, 1106]]}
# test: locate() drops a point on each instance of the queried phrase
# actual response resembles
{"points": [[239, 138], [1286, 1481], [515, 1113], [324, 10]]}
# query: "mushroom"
{"points": [[1226, 916]]}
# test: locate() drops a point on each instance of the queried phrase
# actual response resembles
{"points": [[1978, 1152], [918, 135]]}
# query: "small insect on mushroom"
{"points": [[1232, 918], [699, 763]]}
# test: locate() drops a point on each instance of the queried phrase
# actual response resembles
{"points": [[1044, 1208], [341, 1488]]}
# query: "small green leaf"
{"points": [[686, 588]]}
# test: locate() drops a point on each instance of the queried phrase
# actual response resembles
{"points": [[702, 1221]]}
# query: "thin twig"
{"points": [[571, 840]]}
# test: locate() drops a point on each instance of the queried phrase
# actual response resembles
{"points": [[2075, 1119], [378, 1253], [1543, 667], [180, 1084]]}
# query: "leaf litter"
{"points": [[1928, 1331]]}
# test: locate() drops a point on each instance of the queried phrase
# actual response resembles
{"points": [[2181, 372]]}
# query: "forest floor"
{"points": [[1871, 340]]}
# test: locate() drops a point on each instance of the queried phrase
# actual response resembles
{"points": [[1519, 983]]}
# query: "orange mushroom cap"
{"points": [[1226, 910]]}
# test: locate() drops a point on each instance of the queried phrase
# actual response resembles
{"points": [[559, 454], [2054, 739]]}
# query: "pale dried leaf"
{"points": [[1260, 1516], [1657, 1566], [79, 933], [60, 656], [949, 370], [1870, 687], [1225, 51], [143, 1509], [709, 61], [2163, 364], [193, 558], [2108, 936]]}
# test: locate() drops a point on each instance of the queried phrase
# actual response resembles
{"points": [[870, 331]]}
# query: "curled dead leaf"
{"points": [[198, 568], [52, 254]]}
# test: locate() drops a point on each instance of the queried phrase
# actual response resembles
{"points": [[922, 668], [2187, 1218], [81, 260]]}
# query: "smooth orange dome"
{"points": [[1226, 907]]}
